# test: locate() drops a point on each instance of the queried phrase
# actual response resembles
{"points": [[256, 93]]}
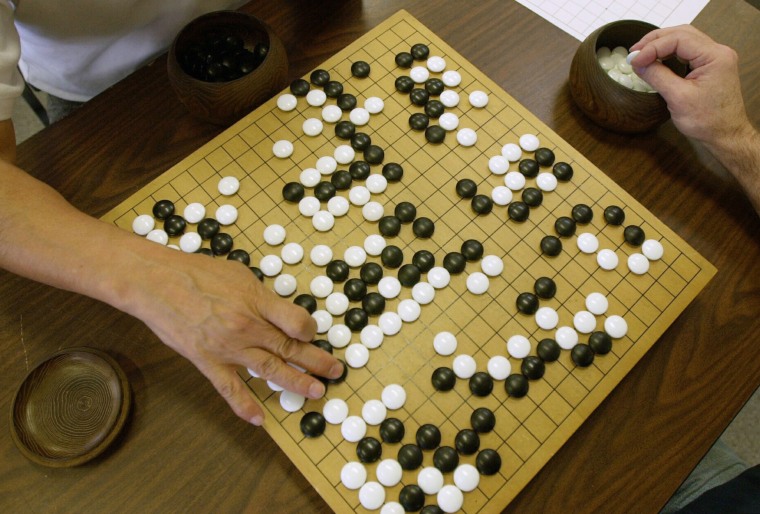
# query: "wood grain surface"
{"points": [[183, 450]]}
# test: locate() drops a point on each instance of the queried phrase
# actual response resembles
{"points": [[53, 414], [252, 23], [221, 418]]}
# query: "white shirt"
{"points": [[74, 49]]}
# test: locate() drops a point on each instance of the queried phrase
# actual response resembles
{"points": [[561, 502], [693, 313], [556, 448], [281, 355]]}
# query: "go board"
{"points": [[528, 429]]}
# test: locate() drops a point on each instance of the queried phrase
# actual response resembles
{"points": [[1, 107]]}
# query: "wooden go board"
{"points": [[528, 430]]}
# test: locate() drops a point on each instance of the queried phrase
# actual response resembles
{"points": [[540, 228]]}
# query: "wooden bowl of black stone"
{"points": [[224, 64], [70, 408], [606, 102]]}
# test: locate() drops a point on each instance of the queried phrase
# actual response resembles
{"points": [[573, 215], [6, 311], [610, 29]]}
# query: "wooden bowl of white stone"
{"points": [[605, 87]]}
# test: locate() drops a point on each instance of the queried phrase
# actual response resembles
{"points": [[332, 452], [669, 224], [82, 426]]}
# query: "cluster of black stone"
{"points": [[633, 234], [219, 57]]}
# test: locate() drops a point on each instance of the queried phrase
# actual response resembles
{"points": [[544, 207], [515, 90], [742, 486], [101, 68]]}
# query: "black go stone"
{"points": [[482, 420], [614, 215], [342, 377], [532, 196], [404, 60], [532, 367], [392, 430], [163, 209], [174, 225], [481, 384], [419, 96], [371, 273], [360, 141], [360, 69], [205, 251], [404, 84], [444, 379], [582, 355], [563, 171], [346, 101], [355, 289], [240, 256], [454, 262], [373, 154], [342, 180], [434, 109], [518, 211], [423, 227], [545, 288], [544, 156], [446, 459], [488, 462], [300, 87], [565, 226], [323, 344], [435, 134], [472, 250], [409, 275], [356, 319], [434, 86], [481, 204], [313, 424], [528, 167], [389, 226], [428, 436], [466, 188], [359, 170], [548, 350], [333, 89], [551, 246], [411, 498], [600, 342], [393, 171], [293, 192], [424, 260], [319, 77], [431, 509], [306, 301], [324, 191], [208, 228], [634, 235], [582, 213], [527, 303], [406, 212], [337, 270], [419, 121], [221, 243], [345, 129], [369, 450], [467, 441], [410, 457], [420, 51], [516, 385], [373, 303], [256, 271], [392, 256]]}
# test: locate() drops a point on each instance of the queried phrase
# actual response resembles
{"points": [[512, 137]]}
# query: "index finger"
{"points": [[684, 42]]}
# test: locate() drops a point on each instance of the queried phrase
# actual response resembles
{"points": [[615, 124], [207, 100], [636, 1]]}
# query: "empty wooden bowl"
{"points": [[605, 101], [218, 99]]}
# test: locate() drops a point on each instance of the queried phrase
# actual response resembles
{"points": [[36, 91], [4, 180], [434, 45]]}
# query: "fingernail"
{"points": [[256, 420], [316, 390], [337, 370]]}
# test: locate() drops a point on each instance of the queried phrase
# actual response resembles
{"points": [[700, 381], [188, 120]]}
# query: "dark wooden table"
{"points": [[185, 451]]}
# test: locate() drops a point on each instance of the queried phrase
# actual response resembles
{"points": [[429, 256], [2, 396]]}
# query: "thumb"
{"points": [[660, 77]]}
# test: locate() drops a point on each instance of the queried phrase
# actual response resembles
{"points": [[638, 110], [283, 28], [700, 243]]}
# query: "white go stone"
{"points": [[419, 74], [312, 127], [638, 263], [344, 154], [323, 221], [584, 322], [607, 259], [409, 310], [477, 282], [445, 343], [587, 242], [499, 367], [326, 165], [353, 475], [374, 244], [270, 265], [194, 212], [190, 242], [321, 286], [652, 249], [355, 256], [308, 206], [331, 113], [376, 183], [389, 473], [423, 293], [392, 508], [512, 152], [143, 224], [514, 180], [353, 429], [158, 236], [287, 102], [359, 195], [285, 284], [566, 337], [339, 336], [529, 142], [430, 480], [320, 255], [498, 165], [373, 411], [357, 356], [338, 206], [597, 303], [450, 498], [310, 177], [616, 326], [228, 186], [451, 78], [173, 247], [547, 318], [336, 303], [374, 105], [316, 98], [464, 366], [518, 346], [335, 411], [439, 277], [282, 149], [467, 137], [546, 181], [390, 323], [359, 116], [436, 63], [393, 396], [291, 253], [448, 121], [478, 99], [371, 336], [492, 265], [449, 98], [373, 211], [324, 320], [226, 214], [291, 402], [389, 287], [372, 495], [275, 387], [466, 477]]}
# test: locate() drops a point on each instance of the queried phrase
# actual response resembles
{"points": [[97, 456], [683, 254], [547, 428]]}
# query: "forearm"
{"points": [[740, 154]]}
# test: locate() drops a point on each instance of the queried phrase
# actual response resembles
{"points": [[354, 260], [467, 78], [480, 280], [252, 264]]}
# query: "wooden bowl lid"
{"points": [[70, 408]]}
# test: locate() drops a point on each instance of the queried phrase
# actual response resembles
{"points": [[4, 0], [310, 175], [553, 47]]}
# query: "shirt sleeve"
{"points": [[11, 83]]}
